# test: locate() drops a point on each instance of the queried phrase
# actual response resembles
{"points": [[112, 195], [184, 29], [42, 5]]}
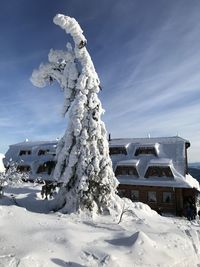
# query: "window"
{"points": [[46, 167], [126, 170], [23, 168], [145, 151], [152, 197], [117, 150], [25, 152], [42, 152], [122, 192], [158, 171], [167, 197], [134, 195]]}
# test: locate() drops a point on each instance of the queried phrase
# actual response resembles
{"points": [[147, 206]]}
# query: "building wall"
{"points": [[181, 197], [143, 196]]}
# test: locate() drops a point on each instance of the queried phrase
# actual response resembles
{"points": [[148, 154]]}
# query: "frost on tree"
{"points": [[83, 163]]}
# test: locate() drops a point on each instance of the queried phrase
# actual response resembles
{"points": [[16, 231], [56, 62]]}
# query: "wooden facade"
{"points": [[166, 199]]}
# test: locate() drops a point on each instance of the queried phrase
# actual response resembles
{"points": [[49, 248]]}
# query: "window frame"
{"points": [[24, 152], [118, 150], [145, 150], [46, 167], [126, 169], [132, 197], [121, 193], [170, 198], [158, 172], [149, 199], [43, 152], [23, 168]]}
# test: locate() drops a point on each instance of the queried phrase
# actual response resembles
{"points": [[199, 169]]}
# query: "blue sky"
{"points": [[147, 55]]}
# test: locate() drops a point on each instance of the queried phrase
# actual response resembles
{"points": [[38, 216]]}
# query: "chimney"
{"points": [[109, 137]]}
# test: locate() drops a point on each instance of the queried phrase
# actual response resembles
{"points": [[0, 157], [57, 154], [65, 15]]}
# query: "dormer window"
{"points": [[23, 168], [126, 170], [42, 152], [117, 150], [24, 152], [159, 171], [146, 151], [46, 167]]}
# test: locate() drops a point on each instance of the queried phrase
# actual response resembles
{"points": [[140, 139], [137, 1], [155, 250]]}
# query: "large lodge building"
{"points": [[150, 170]]}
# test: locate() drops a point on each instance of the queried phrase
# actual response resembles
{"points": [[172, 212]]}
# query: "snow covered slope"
{"points": [[1, 163], [30, 236]]}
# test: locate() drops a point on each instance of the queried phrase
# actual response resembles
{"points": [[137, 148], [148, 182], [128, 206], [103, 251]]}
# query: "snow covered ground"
{"points": [[1, 163], [30, 236]]}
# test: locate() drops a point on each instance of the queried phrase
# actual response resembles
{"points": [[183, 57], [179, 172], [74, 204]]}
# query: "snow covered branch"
{"points": [[71, 26]]}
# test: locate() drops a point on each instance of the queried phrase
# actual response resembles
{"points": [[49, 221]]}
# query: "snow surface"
{"points": [[2, 169], [32, 237]]}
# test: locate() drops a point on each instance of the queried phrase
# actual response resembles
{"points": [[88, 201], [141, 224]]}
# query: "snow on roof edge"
{"points": [[151, 139], [34, 143]]}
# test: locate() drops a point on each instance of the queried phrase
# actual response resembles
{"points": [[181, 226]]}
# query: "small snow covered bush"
{"points": [[11, 177]]}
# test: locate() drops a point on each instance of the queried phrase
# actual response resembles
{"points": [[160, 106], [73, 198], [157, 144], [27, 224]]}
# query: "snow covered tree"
{"points": [[83, 163], [12, 175]]}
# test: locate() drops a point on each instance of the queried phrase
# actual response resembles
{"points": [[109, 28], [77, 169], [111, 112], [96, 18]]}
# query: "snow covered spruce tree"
{"points": [[83, 162]]}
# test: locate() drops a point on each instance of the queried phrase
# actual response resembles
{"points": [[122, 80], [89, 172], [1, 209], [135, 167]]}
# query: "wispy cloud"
{"points": [[147, 56], [156, 90]]}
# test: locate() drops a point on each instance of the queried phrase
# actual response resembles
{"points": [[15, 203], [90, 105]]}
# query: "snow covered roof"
{"points": [[170, 151], [172, 148], [14, 149], [30, 144], [148, 145], [160, 162], [118, 145], [177, 182], [145, 141], [131, 162]]}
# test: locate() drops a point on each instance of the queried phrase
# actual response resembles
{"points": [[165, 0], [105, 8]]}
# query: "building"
{"points": [[149, 170], [154, 171], [35, 158]]}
